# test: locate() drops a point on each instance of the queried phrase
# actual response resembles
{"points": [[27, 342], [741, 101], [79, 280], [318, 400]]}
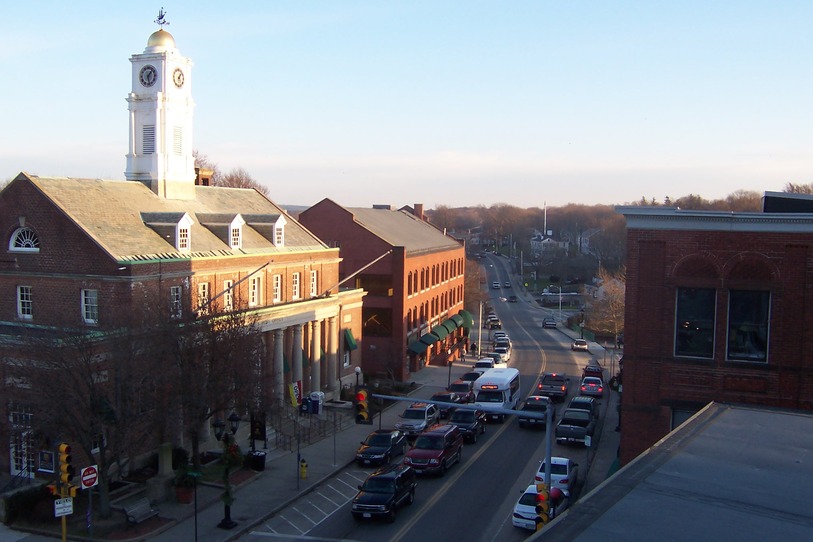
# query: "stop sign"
{"points": [[89, 477]]}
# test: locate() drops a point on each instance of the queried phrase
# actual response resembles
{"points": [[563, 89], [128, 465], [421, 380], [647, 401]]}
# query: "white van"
{"points": [[497, 389]]}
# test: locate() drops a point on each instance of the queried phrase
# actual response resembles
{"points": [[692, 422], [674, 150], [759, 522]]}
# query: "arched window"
{"points": [[24, 240]]}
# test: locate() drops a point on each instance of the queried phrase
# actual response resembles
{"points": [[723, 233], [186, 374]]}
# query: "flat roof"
{"points": [[728, 473]]}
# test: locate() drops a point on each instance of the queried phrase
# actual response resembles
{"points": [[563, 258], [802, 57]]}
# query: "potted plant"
{"points": [[184, 485]]}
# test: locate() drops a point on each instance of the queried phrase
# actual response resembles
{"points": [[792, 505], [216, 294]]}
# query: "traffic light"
{"points": [[542, 505], [66, 470], [362, 400]]}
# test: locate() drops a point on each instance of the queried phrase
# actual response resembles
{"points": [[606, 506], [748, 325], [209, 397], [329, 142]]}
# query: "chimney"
{"points": [[417, 210]]}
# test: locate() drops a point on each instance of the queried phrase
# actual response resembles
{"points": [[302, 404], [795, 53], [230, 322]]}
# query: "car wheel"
{"points": [[391, 515], [483, 429], [387, 458], [357, 517], [474, 438], [411, 497], [459, 454], [443, 468]]}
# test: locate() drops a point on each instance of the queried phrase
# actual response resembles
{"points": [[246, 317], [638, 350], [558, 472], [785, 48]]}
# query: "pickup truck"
{"points": [[575, 425], [552, 385]]}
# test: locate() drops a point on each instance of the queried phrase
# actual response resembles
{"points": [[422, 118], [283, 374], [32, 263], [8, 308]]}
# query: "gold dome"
{"points": [[161, 39]]}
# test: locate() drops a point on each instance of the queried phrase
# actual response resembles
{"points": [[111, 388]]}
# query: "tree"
{"points": [[606, 313], [240, 178], [794, 188]]}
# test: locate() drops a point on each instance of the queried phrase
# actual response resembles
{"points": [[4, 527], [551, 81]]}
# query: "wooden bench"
{"points": [[139, 511]]}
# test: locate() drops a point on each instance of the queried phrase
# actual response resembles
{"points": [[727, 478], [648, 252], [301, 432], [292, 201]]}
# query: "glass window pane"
{"points": [[748, 317], [694, 322]]}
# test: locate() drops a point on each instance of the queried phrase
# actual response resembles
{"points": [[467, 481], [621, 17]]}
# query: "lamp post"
{"points": [[228, 441], [357, 370], [449, 363]]}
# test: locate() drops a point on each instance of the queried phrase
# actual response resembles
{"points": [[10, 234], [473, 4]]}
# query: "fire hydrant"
{"points": [[303, 468]]}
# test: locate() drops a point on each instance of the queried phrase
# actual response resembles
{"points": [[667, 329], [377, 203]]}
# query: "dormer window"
{"points": [[279, 232], [183, 234], [236, 232], [24, 239]]}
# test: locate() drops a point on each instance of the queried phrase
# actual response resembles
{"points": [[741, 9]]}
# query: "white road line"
{"points": [[303, 515], [291, 523], [328, 499]]}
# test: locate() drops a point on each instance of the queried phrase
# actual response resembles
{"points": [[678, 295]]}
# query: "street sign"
{"points": [[63, 507], [89, 477]]}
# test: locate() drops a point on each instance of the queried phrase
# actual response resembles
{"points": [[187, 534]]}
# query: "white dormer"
{"points": [[183, 234], [236, 232], [279, 231]]}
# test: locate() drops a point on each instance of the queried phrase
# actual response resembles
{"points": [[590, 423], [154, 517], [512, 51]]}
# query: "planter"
{"points": [[184, 495]]}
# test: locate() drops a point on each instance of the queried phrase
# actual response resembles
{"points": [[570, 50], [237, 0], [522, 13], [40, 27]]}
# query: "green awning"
{"points": [[468, 320], [440, 331], [349, 340], [457, 319], [449, 325], [417, 347], [430, 339]]}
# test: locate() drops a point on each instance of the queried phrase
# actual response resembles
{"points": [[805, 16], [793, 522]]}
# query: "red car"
{"points": [[464, 389]]}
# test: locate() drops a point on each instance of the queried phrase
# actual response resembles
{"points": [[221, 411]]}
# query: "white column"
{"points": [[316, 366]]}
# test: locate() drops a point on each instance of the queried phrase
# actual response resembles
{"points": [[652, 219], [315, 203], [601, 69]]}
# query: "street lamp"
{"points": [[229, 451], [449, 363], [560, 300], [358, 373]]}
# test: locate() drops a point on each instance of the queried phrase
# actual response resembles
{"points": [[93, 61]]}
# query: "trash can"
{"points": [[256, 460], [317, 399], [305, 407]]}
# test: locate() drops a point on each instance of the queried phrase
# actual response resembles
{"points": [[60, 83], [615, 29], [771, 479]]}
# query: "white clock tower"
{"points": [[160, 108]]}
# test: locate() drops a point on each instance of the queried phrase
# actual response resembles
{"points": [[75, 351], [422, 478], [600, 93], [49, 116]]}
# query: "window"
{"points": [[149, 140], [694, 322], [177, 140], [236, 232], [175, 305], [183, 233], [24, 240], [203, 297], [295, 286], [279, 231], [254, 291], [277, 286], [314, 284], [377, 322], [228, 295], [748, 318], [183, 239], [90, 306], [235, 238], [25, 306]]}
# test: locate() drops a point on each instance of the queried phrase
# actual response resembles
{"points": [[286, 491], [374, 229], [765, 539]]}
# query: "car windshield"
{"points": [[463, 416], [429, 443], [489, 397], [411, 414], [379, 485], [378, 440]]}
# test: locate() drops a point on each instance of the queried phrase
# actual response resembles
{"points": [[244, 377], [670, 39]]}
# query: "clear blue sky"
{"points": [[434, 102]]}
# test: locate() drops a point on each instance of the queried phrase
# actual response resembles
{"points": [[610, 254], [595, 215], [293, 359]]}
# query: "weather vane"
{"points": [[161, 21]]}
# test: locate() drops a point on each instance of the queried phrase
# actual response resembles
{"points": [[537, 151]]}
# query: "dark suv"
{"points": [[435, 450], [470, 422], [384, 492]]}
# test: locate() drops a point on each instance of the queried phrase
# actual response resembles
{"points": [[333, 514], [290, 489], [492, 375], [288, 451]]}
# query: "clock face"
{"points": [[147, 75], [177, 77]]}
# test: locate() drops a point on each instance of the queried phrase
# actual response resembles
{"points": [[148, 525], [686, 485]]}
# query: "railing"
{"points": [[22, 477]]}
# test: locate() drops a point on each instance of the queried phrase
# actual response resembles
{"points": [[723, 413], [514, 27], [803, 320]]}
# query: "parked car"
{"points": [[549, 323], [471, 376], [499, 335], [564, 473], [417, 418], [593, 369], [575, 425], [384, 491], [436, 450], [592, 386], [538, 405], [525, 516], [470, 422], [381, 446], [445, 397], [584, 402], [464, 389], [580, 345]]}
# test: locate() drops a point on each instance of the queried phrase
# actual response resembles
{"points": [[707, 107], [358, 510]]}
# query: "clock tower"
{"points": [[160, 109]]}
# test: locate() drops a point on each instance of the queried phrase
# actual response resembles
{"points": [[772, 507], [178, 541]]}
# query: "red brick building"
{"points": [[412, 274], [718, 308], [84, 255]]}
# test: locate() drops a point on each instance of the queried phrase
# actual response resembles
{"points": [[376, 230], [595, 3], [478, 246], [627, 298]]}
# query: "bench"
{"points": [[139, 511]]}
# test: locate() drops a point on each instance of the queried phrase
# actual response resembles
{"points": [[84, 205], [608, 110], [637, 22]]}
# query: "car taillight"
{"points": [[584, 388], [563, 388], [539, 478]]}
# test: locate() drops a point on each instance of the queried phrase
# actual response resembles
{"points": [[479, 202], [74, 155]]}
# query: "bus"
{"points": [[497, 389]]}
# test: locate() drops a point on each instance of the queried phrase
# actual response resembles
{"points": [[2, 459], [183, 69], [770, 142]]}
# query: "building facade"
{"points": [[87, 256], [413, 276], [717, 309]]}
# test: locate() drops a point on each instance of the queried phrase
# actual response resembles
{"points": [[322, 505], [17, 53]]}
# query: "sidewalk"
{"points": [[279, 484]]}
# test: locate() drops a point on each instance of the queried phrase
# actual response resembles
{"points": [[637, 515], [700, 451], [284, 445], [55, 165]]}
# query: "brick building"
{"points": [[84, 255], [413, 309], [717, 309]]}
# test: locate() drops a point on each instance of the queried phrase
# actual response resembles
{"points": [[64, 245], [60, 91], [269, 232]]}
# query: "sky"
{"points": [[437, 102]]}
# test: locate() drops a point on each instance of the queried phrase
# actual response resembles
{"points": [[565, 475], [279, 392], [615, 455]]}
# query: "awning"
{"points": [[449, 325], [349, 341], [457, 319], [429, 339], [440, 331], [417, 347], [468, 320]]}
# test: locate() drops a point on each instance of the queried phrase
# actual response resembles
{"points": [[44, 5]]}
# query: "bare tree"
{"points": [[606, 313], [240, 178], [798, 188]]}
